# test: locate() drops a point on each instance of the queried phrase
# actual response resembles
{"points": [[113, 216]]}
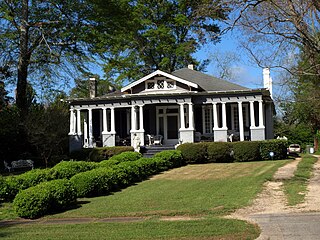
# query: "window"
{"points": [[150, 85], [207, 119], [160, 84], [170, 84]]}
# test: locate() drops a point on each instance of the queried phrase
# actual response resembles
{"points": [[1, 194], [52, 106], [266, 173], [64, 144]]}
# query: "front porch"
{"points": [[176, 119]]}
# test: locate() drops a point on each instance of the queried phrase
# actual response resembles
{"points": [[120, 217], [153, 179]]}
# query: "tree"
{"points": [[161, 35], [274, 30], [81, 89], [46, 40], [47, 128]]}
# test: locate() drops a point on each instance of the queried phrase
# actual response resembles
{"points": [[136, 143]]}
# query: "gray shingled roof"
{"points": [[205, 81]]}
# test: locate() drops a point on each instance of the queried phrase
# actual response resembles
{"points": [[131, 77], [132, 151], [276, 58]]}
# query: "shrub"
{"points": [[126, 156], [104, 153], [81, 155], [173, 156], [219, 152], [95, 182], [44, 198], [278, 147], [104, 180], [246, 151], [108, 163], [13, 184], [194, 152], [67, 169]]}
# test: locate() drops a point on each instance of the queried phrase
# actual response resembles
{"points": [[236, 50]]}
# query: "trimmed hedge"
{"points": [[104, 153], [67, 169], [219, 152], [13, 184], [126, 156], [45, 198], [173, 156], [108, 163], [194, 152], [235, 151], [102, 181], [278, 147], [246, 151]]}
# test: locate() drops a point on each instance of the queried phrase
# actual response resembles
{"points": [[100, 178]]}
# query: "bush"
{"points": [[67, 169], [81, 155], [108, 163], [44, 198], [219, 152], [104, 153], [95, 182], [126, 156], [173, 156], [104, 180], [194, 152], [278, 147], [246, 151], [14, 184]]}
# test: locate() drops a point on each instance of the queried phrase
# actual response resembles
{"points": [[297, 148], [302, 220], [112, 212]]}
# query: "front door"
{"points": [[168, 124]]}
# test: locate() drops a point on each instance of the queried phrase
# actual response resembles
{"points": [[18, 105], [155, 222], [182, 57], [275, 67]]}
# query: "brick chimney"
{"points": [[92, 87]]}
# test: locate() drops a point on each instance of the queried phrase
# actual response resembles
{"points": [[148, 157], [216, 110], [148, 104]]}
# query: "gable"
{"points": [[159, 81]]}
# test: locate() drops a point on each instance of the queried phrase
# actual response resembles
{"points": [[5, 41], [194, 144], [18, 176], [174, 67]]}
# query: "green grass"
{"points": [[190, 190], [200, 229], [296, 187], [209, 191]]}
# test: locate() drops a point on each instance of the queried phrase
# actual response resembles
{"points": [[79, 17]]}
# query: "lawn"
{"points": [[208, 191]]}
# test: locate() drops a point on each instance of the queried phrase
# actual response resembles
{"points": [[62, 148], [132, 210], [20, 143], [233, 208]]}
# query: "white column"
{"points": [[182, 122], [261, 114], [133, 119], [241, 130], [90, 128], [104, 120], [79, 122], [224, 115], [71, 122], [252, 120], [141, 118], [215, 116], [191, 127], [85, 133], [113, 126]]}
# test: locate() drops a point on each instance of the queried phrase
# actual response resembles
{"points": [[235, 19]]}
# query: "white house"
{"points": [[182, 106]]}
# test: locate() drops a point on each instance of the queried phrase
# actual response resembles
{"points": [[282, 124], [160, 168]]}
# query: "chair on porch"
{"points": [[157, 140]]}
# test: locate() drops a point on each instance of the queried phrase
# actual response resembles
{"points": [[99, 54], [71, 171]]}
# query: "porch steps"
{"points": [[150, 151]]}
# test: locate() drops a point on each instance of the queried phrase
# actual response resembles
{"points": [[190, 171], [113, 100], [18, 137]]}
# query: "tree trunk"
{"points": [[24, 57]]}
